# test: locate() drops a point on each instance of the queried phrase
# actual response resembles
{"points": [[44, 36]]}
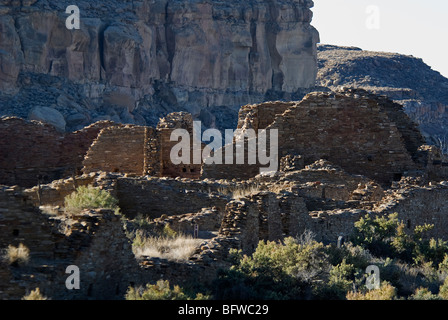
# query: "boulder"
{"points": [[48, 115]]}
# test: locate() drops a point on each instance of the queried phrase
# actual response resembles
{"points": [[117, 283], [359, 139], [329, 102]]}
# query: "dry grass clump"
{"points": [[177, 248], [35, 295], [17, 255], [240, 191]]}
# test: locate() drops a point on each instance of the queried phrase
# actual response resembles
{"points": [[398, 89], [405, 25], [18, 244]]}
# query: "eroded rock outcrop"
{"points": [[133, 61]]}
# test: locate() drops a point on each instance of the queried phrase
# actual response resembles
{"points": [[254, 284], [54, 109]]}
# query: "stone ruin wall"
{"points": [[268, 216], [138, 150], [117, 149], [173, 121], [258, 216], [418, 206], [94, 240], [33, 149], [348, 128], [154, 197], [260, 116]]}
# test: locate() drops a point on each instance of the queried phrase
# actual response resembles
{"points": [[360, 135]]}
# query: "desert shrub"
{"points": [[275, 271], [424, 294], [386, 237], [356, 255], [385, 292], [162, 291], [443, 266], [443, 290], [341, 280], [35, 295], [375, 234], [88, 197], [17, 255]]}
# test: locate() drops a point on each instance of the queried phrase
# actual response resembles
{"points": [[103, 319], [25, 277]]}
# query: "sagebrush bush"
{"points": [[88, 197], [385, 292], [274, 271], [386, 237], [424, 294], [161, 291]]}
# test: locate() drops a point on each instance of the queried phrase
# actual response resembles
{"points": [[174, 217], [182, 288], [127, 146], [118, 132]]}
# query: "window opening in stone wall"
{"points": [[15, 232]]}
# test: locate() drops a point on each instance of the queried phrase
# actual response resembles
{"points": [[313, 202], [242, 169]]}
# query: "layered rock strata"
{"points": [[132, 61]]}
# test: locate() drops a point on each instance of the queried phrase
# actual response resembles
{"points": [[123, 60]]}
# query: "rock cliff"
{"points": [[134, 61]]}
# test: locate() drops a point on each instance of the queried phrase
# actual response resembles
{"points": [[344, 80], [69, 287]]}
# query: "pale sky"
{"points": [[412, 27]]}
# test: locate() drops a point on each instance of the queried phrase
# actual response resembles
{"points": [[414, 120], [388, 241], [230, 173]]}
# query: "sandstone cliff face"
{"points": [[133, 61]]}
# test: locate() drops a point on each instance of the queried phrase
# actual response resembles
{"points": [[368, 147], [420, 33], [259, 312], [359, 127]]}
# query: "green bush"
{"points": [[424, 294], [88, 197], [386, 237], [375, 234], [275, 271], [385, 292], [340, 281], [161, 291], [443, 290]]}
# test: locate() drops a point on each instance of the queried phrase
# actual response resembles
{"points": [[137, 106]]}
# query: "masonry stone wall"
{"points": [[418, 206], [117, 149], [264, 216], [31, 151], [142, 151], [349, 128], [93, 240], [260, 116], [328, 226], [173, 121], [154, 197]]}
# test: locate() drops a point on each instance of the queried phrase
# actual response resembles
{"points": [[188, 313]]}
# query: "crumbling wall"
{"points": [[327, 226], [362, 133], [348, 129], [31, 151], [260, 116], [173, 121], [154, 197], [207, 220], [93, 240], [419, 205], [117, 149], [97, 243], [434, 162], [264, 216], [22, 223], [28, 149]]}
